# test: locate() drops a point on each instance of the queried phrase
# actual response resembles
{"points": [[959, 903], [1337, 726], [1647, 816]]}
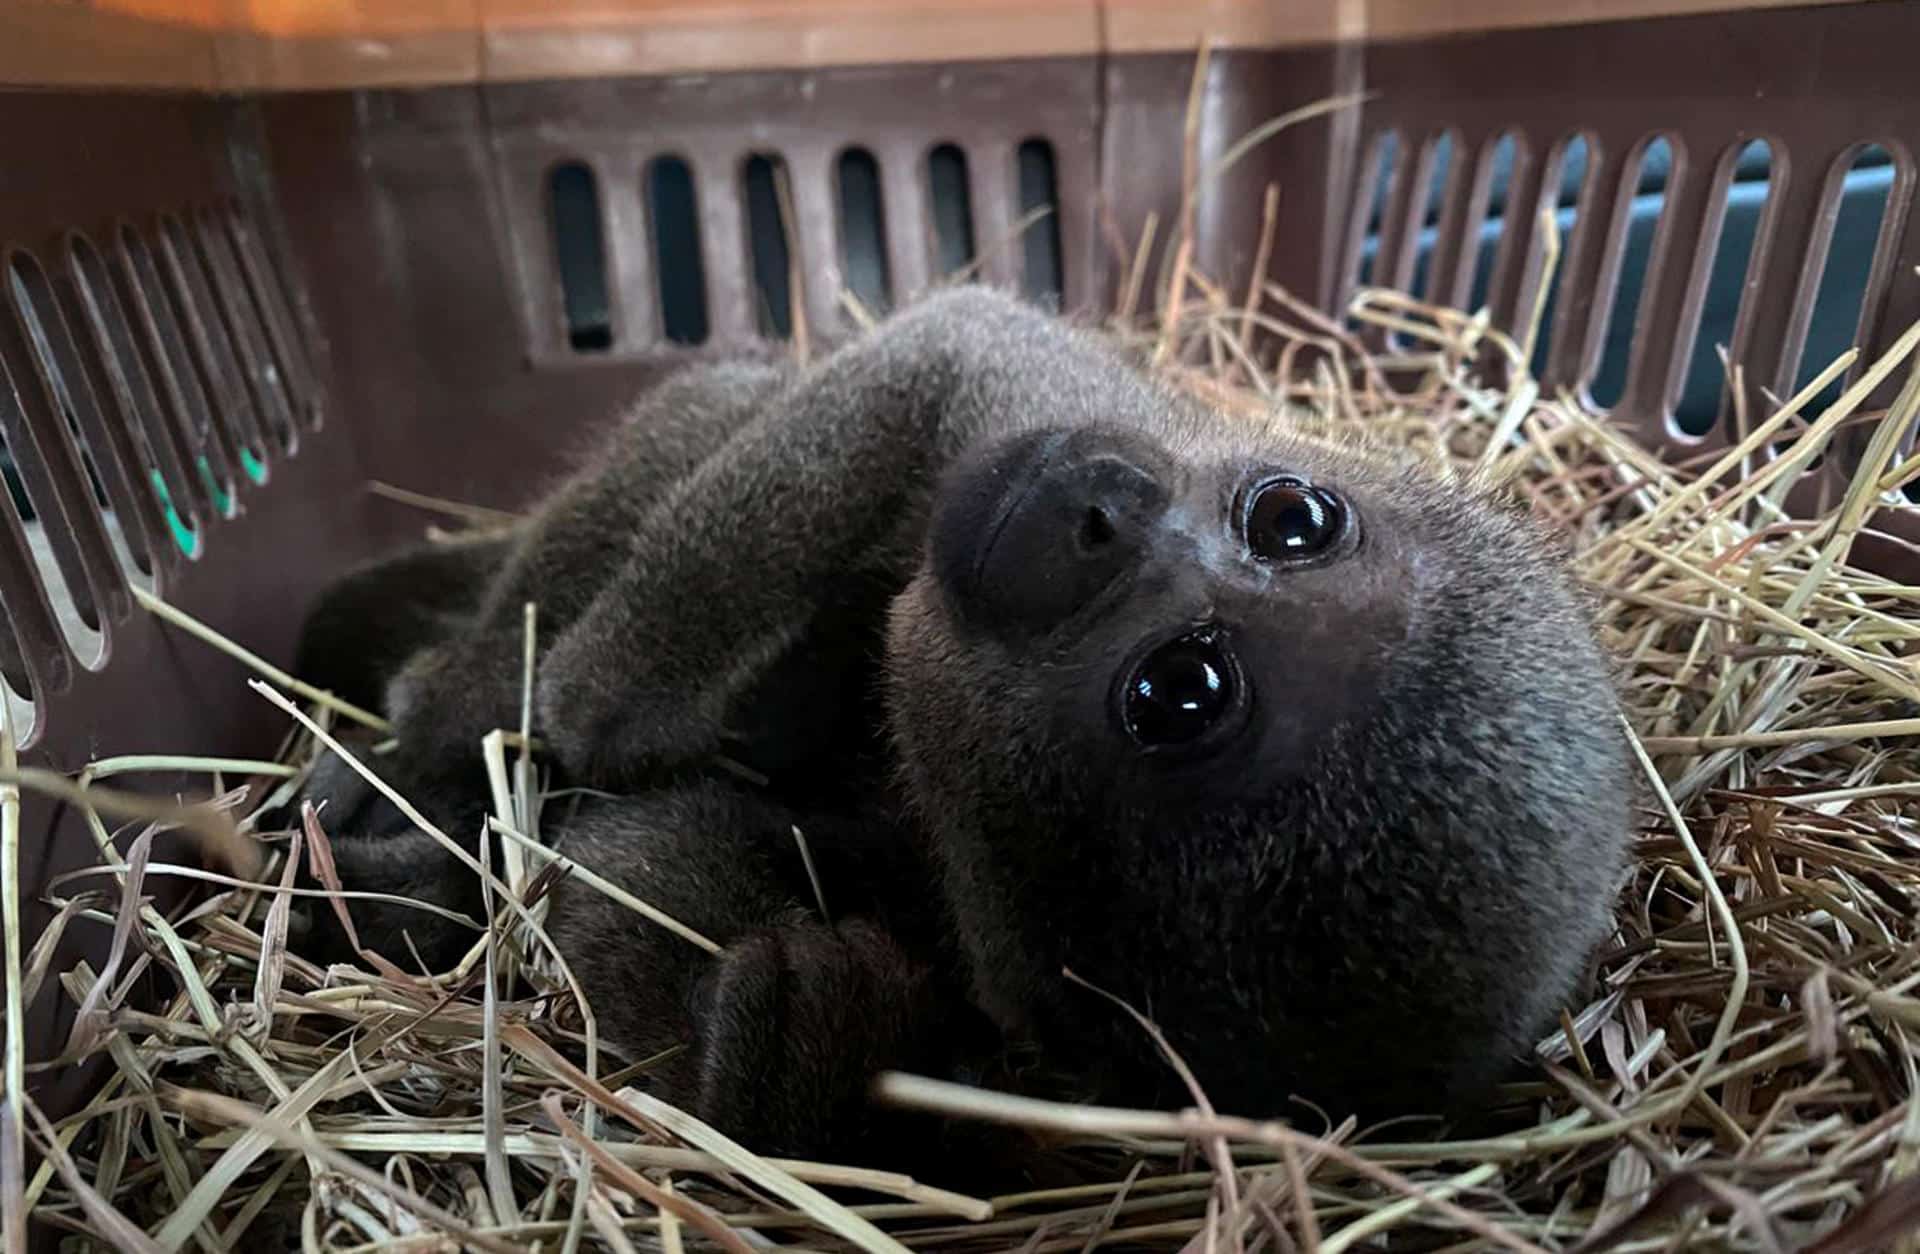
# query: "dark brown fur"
{"points": [[1374, 894]]}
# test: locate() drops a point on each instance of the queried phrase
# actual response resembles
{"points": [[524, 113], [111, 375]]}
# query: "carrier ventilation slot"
{"points": [[214, 356], [1861, 184], [166, 356], [769, 242], [1381, 168], [952, 205], [156, 447], [1848, 236], [243, 326], [674, 214], [270, 297], [580, 249], [863, 231], [1433, 209], [1040, 214], [19, 561], [123, 515], [1487, 214], [58, 570], [1742, 184], [1580, 219], [1426, 236], [47, 481], [1631, 243]]}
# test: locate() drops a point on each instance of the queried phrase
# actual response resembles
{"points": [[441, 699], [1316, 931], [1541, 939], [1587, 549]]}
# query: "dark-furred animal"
{"points": [[1304, 752]]}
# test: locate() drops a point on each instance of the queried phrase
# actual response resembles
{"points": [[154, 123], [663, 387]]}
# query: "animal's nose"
{"points": [[1048, 523]]}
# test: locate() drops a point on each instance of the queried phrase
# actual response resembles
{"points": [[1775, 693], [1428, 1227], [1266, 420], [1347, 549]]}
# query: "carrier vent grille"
{"points": [[148, 383], [861, 228]]}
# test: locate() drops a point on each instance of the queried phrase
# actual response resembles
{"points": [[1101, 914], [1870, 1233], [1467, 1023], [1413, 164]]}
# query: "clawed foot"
{"points": [[791, 1026], [341, 795], [621, 737], [374, 847]]}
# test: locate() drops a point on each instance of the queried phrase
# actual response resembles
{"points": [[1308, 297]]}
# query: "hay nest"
{"points": [[1744, 1078]]}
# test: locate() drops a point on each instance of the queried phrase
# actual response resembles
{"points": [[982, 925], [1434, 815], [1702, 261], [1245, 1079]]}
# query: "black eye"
{"points": [[1179, 691], [1289, 519]]}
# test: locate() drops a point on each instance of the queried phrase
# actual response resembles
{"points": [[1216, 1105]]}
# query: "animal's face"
{"points": [[1197, 624], [1249, 731]]}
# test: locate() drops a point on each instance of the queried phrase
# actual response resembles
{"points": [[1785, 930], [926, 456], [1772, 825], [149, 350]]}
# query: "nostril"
{"points": [[1024, 538], [1097, 530]]}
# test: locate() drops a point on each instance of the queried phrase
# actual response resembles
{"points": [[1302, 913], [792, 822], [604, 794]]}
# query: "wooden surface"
{"points": [[1157, 26], [72, 45], [530, 39], [256, 45]]}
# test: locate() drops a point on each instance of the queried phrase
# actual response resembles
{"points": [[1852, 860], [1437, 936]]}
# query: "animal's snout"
{"points": [[1030, 534]]}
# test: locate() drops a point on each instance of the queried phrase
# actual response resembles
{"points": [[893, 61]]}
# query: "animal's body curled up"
{"points": [[1307, 755]]}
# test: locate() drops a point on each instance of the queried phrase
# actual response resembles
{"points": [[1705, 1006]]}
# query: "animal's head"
{"points": [[1309, 756]]}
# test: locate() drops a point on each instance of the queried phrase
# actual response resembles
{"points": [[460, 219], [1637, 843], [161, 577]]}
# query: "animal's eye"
{"points": [[1288, 519], [1179, 690]]}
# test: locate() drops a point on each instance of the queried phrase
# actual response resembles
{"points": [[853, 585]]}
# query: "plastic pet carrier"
{"points": [[262, 255]]}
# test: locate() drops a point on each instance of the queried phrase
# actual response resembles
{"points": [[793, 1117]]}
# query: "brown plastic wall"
{"points": [[393, 295], [1815, 86], [105, 174]]}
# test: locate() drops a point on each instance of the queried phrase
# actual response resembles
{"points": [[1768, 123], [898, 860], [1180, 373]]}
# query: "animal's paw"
{"points": [[791, 1026], [373, 846], [612, 735], [339, 792], [425, 700], [347, 810], [431, 680]]}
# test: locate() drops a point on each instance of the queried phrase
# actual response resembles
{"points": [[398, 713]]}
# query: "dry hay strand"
{"points": [[1742, 1079]]}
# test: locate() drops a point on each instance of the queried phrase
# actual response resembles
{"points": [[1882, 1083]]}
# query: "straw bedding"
{"points": [[1743, 1077]]}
